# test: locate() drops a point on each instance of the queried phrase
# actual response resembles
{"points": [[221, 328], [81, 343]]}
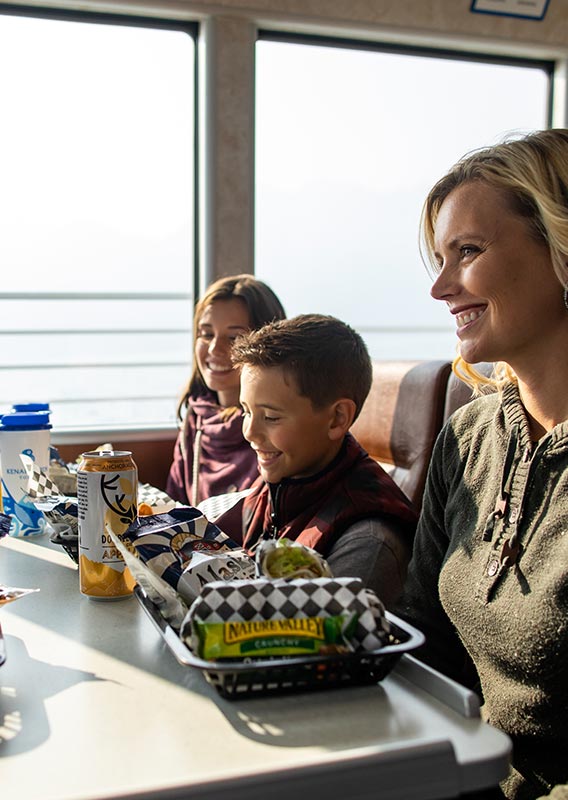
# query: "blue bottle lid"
{"points": [[25, 421], [30, 407]]}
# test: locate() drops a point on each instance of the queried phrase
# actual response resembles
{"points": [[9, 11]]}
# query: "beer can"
{"points": [[107, 493]]}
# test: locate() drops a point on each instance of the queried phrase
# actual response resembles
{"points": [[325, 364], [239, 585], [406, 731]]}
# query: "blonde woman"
{"points": [[488, 581]]}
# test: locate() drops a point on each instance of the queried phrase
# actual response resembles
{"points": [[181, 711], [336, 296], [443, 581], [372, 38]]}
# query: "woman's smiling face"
{"points": [[495, 276]]}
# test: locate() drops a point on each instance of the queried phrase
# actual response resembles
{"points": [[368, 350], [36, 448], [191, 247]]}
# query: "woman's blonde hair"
{"points": [[532, 173], [262, 304]]}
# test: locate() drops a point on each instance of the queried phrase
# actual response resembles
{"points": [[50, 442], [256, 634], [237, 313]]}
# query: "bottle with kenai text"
{"points": [[27, 433]]}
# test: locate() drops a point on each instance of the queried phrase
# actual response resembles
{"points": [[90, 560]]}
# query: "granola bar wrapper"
{"points": [[187, 551], [265, 618]]}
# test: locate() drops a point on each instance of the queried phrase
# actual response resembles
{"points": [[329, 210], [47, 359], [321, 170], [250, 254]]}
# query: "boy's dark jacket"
{"points": [[317, 510]]}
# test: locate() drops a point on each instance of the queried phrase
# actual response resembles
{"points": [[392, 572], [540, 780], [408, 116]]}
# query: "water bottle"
{"points": [[26, 432], [31, 407]]}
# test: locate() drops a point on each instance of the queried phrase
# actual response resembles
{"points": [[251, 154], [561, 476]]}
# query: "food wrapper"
{"points": [[5, 523], [10, 593], [213, 507], [61, 512], [168, 602], [61, 509], [63, 475], [186, 550], [282, 558], [40, 485], [274, 637], [265, 618], [205, 567]]}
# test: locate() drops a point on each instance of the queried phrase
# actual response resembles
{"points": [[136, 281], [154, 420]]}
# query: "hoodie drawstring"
{"points": [[196, 460]]}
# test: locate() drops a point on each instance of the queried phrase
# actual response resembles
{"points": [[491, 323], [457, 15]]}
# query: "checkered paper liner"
{"points": [[61, 473], [57, 507], [61, 509], [213, 507], [40, 485], [153, 497], [262, 599]]}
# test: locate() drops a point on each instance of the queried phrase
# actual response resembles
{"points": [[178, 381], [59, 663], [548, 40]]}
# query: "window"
{"points": [[349, 139], [96, 217]]}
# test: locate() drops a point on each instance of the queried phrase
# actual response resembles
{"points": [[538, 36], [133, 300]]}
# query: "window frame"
{"points": [[218, 161], [549, 65], [192, 28]]}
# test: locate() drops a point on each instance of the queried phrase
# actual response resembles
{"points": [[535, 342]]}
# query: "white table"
{"points": [[94, 705]]}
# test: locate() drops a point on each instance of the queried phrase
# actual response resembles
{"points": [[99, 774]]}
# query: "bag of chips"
{"points": [[186, 550]]}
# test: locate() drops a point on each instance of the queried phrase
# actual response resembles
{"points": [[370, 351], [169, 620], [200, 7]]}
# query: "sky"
{"points": [[98, 122], [348, 143]]}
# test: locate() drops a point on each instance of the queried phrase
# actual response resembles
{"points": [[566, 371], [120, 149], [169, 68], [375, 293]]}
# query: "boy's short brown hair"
{"points": [[326, 357]]}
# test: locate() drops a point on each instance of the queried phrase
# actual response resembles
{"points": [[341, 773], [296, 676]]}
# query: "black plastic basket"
{"points": [[258, 677]]}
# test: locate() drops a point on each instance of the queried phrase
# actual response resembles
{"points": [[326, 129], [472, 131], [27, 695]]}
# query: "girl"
{"points": [[211, 456]]}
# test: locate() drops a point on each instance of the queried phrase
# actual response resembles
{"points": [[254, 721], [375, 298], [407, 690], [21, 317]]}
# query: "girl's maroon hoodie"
{"points": [[226, 461]]}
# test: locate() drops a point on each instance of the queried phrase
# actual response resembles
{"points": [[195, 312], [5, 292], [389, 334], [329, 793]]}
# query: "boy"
{"points": [[303, 383]]}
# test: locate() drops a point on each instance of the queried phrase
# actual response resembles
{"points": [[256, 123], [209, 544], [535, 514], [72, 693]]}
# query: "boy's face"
{"points": [[291, 438]]}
